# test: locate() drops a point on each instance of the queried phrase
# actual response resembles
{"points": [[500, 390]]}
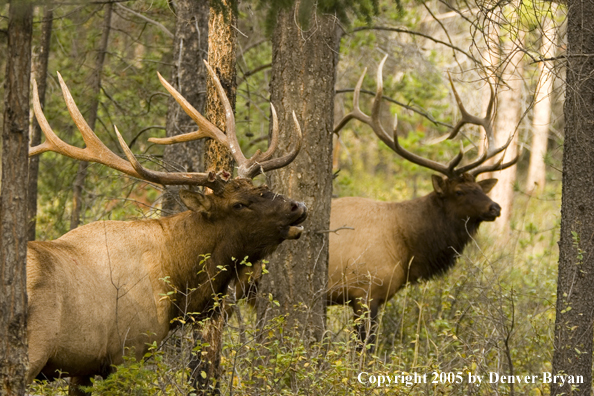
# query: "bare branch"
{"points": [[414, 33], [144, 18]]}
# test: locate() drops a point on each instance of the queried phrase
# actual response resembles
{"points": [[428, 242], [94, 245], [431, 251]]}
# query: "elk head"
{"points": [[461, 195], [235, 199]]}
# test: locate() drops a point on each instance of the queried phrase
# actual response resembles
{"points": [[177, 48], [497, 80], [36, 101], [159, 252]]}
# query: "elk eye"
{"points": [[459, 193], [238, 206]]}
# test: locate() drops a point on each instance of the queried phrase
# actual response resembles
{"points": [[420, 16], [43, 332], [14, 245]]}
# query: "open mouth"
{"points": [[295, 230], [490, 217]]}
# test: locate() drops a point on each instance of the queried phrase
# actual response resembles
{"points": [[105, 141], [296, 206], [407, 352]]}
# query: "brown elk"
{"points": [[394, 243], [101, 288]]}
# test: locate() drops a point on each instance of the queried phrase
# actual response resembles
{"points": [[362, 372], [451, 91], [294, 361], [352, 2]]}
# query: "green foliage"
{"points": [[148, 377], [494, 307], [131, 98], [363, 9]]}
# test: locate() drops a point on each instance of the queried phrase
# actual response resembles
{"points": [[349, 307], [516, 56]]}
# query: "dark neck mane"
{"points": [[436, 245], [206, 276]]}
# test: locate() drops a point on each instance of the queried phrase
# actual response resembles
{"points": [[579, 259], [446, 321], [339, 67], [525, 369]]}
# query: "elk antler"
{"points": [[391, 140], [247, 168], [96, 151]]}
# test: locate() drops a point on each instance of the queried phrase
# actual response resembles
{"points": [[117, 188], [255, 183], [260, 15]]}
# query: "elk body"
{"points": [[393, 243], [106, 286]]}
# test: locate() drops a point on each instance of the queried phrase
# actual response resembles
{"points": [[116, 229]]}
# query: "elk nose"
{"points": [[495, 209], [299, 209]]}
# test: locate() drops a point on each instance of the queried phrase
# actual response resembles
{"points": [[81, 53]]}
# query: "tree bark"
{"points": [[13, 201], [40, 73], [95, 83], [303, 79], [189, 78], [221, 57], [542, 108], [575, 300]]}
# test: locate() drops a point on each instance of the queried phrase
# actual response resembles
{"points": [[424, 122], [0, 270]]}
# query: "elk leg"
{"points": [[366, 329], [373, 325], [76, 382]]}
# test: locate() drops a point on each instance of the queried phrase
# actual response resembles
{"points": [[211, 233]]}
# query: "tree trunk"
{"points": [[507, 119], [542, 108], [13, 201], [303, 79], [189, 78], [40, 73], [95, 83], [221, 57], [575, 300]]}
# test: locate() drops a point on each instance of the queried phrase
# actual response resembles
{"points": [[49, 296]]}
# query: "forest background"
{"points": [[494, 312]]}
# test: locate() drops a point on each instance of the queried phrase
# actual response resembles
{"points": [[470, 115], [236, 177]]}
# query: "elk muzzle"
{"points": [[298, 214], [493, 213]]}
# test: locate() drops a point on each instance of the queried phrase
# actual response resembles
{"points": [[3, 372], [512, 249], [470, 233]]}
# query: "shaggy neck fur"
{"points": [[204, 260], [434, 245]]}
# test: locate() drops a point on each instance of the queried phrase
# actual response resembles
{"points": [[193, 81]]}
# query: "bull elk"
{"points": [[100, 288], [394, 243]]}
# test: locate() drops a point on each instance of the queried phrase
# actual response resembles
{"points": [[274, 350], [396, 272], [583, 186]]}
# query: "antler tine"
{"points": [[279, 162], [376, 108], [211, 180], [258, 157], [206, 128], [393, 142], [497, 166], [374, 123], [356, 113], [245, 167], [486, 122], [487, 154], [232, 142], [258, 163], [95, 151], [457, 159]]}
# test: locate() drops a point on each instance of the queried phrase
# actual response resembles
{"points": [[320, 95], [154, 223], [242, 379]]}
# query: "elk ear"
{"points": [[195, 201], [487, 184], [439, 184]]}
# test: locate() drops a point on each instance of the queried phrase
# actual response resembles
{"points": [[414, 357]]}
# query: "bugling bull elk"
{"points": [[99, 289], [394, 243]]}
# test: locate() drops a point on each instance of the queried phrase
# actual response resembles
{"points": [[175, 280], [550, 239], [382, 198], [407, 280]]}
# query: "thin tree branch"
{"points": [[344, 227], [422, 113], [157, 24], [414, 33], [254, 71], [251, 46]]}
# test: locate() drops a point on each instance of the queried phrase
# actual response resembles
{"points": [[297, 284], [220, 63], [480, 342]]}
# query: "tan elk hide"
{"points": [[113, 285], [393, 243]]}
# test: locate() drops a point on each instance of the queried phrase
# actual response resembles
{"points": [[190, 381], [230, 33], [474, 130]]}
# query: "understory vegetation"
{"points": [[492, 313]]}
